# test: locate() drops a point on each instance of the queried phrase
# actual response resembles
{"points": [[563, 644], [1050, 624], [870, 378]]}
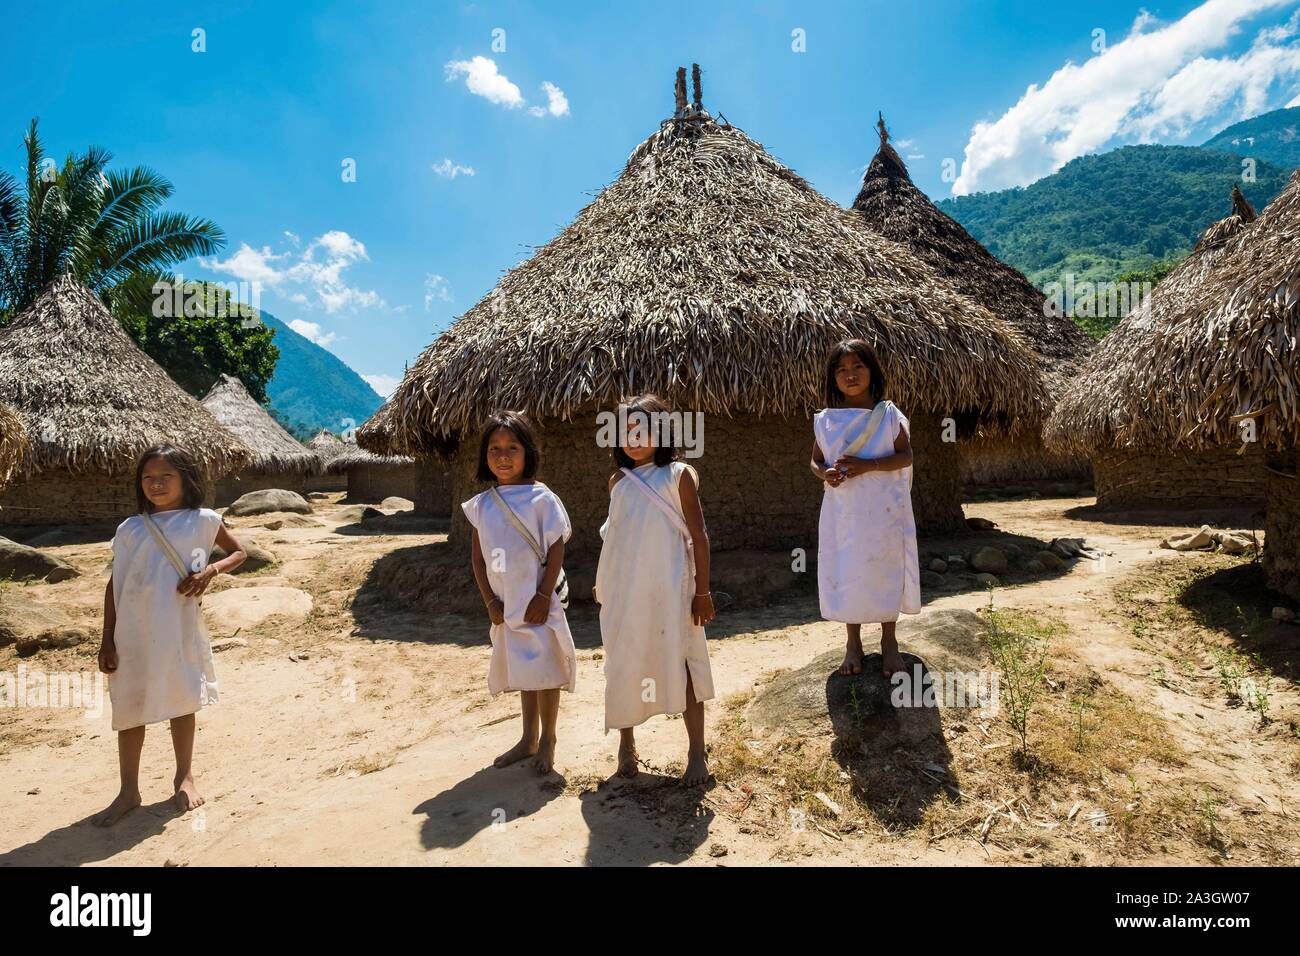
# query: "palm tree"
{"points": [[102, 226]]}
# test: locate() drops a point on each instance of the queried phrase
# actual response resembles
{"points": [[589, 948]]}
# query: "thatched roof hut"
{"points": [[372, 478], [712, 274], [279, 460], [1222, 368], [892, 205], [13, 441], [91, 401], [325, 444], [1108, 413], [275, 451]]}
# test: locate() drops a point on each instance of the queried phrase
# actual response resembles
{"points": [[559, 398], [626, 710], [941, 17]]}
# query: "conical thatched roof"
{"points": [[275, 451], [90, 399], [1207, 332], [710, 273], [325, 444], [13, 439], [891, 204], [354, 455]]}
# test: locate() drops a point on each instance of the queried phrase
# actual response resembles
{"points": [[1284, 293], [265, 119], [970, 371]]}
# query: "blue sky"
{"points": [[254, 131]]}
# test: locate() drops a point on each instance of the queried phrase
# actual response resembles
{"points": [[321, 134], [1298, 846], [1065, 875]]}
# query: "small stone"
{"points": [[717, 849], [368, 513], [1283, 614], [226, 643], [931, 579], [938, 565], [956, 565], [1034, 566], [275, 525], [988, 580], [980, 524]]}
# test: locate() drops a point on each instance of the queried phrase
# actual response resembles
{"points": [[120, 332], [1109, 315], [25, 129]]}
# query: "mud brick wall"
{"points": [[232, 487], [432, 488], [327, 482], [61, 497], [1161, 479], [755, 485], [1282, 524], [989, 461], [371, 484]]}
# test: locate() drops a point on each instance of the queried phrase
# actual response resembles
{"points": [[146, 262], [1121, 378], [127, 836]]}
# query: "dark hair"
{"points": [[186, 467], [862, 350], [517, 424], [647, 405]]}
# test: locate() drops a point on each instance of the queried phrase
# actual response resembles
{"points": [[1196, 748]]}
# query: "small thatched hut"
{"points": [[91, 401], [1103, 414], [711, 274], [326, 445], [891, 204], [13, 440], [372, 478], [279, 460]]}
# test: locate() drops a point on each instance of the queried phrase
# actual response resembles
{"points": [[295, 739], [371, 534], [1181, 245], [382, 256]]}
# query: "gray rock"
{"points": [[1283, 614], [956, 565], [267, 500], [52, 640], [816, 700], [980, 524], [1034, 566], [18, 562], [932, 579], [258, 558], [984, 579], [397, 504], [990, 560], [22, 618], [938, 565], [369, 513]]}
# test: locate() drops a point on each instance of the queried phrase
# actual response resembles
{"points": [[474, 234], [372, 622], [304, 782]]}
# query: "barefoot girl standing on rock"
{"points": [[155, 649], [867, 569], [652, 583], [520, 527]]}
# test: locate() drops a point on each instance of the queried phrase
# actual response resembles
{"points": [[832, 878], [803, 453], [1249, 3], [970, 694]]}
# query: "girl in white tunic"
{"points": [[532, 649], [652, 583], [155, 648], [867, 570]]}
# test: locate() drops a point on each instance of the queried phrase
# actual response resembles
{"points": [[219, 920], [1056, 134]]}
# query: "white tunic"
{"points": [[164, 658], [524, 656], [867, 569], [645, 582]]}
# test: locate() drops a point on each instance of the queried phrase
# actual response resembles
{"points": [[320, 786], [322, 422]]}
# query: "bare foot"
{"points": [[892, 662], [123, 804], [627, 766], [852, 661], [697, 770], [187, 797], [525, 748], [545, 758]]}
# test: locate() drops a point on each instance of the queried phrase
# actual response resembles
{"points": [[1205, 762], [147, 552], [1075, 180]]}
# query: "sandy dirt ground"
{"points": [[335, 744]]}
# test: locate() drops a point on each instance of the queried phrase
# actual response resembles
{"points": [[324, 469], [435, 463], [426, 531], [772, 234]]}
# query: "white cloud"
{"points": [[1157, 81], [1294, 102], [557, 104], [312, 331], [384, 385], [435, 287], [450, 170], [483, 79], [905, 143], [318, 270]]}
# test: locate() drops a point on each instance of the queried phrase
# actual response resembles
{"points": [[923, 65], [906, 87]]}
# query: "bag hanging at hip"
{"points": [[562, 582]]}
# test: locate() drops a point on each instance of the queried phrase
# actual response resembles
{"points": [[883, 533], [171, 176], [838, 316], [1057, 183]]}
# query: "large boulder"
{"points": [[989, 561], [816, 700], [258, 558], [18, 562], [268, 500]]}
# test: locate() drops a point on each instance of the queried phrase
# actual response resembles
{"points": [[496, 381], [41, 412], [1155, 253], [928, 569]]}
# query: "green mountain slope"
{"points": [[1099, 217], [313, 388], [1272, 137]]}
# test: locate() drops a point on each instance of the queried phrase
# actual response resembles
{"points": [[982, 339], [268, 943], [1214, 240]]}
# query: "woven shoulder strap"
{"points": [[672, 513], [173, 558], [874, 422], [519, 525]]}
